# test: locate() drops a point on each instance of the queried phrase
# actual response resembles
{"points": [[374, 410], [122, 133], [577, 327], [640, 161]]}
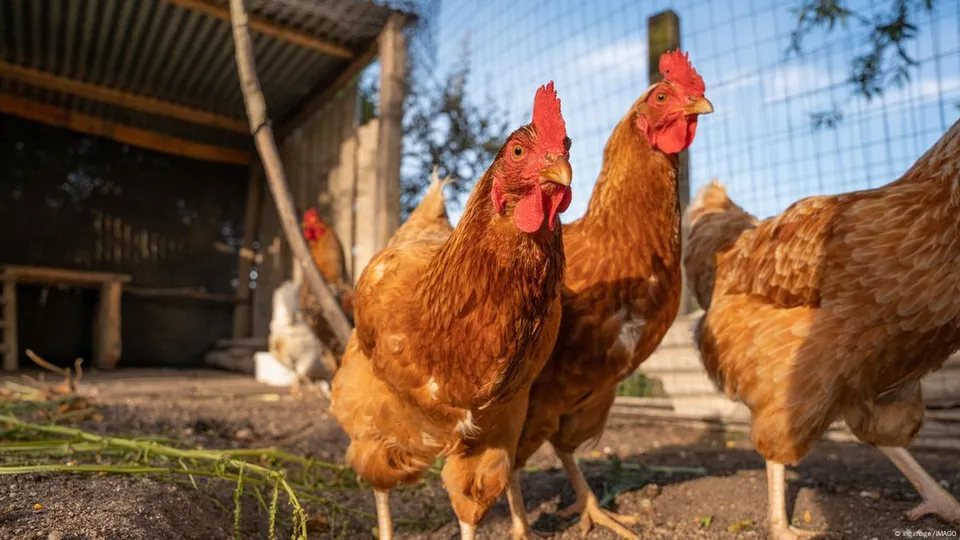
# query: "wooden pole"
{"points": [[9, 346], [273, 168], [663, 34], [251, 223], [393, 56], [107, 338]]}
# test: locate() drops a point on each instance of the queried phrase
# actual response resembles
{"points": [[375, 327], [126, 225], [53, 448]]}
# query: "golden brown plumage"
{"points": [[327, 253], [452, 329], [834, 309], [621, 290], [429, 217]]}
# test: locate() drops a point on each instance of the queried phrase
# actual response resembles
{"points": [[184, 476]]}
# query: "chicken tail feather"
{"points": [[716, 222]]}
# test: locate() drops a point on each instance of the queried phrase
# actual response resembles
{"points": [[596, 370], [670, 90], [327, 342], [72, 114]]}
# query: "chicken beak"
{"points": [[558, 172], [700, 105]]}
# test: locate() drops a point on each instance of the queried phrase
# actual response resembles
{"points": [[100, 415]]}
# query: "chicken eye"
{"points": [[661, 98], [517, 151]]}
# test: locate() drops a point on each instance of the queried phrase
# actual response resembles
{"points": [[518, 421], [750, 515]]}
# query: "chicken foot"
{"points": [[520, 529], [384, 521], [467, 531], [588, 506], [780, 528], [936, 500]]}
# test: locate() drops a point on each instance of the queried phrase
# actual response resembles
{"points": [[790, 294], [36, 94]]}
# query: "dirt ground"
{"points": [[846, 489]]}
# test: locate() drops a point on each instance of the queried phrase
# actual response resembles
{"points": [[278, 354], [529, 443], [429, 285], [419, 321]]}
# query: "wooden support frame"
{"points": [[107, 328], [111, 96], [59, 117], [242, 320], [268, 27], [324, 93]]}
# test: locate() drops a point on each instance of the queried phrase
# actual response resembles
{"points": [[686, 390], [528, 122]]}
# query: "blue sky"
{"points": [[759, 142]]}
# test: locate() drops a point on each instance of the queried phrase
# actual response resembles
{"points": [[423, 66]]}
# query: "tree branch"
{"points": [[273, 168]]}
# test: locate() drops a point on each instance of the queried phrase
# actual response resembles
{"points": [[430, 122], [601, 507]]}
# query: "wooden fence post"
{"points": [[663, 34], [393, 57]]}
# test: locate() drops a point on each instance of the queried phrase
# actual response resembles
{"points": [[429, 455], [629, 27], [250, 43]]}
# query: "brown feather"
{"points": [[621, 292], [837, 307], [452, 326]]}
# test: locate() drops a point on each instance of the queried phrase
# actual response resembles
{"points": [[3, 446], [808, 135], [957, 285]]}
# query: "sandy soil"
{"points": [[847, 489]]}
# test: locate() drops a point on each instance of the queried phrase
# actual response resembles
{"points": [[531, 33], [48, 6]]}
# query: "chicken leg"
{"points": [[467, 531], [520, 530], [384, 521], [936, 500], [588, 506], [780, 528]]}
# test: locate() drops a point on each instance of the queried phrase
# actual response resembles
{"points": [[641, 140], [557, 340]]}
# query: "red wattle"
{"points": [[559, 203], [672, 139], [528, 215]]}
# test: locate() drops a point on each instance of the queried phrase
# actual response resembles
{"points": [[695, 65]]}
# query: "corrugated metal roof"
{"points": [[156, 49]]}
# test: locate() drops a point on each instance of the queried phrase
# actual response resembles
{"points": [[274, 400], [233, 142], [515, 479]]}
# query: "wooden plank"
{"points": [[181, 294], [109, 346], [49, 81], [59, 117], [60, 276], [323, 93], [251, 224], [393, 58], [663, 34], [9, 346], [267, 27]]}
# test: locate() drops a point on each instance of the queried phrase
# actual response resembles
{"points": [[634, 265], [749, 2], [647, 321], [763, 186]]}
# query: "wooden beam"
{"points": [[180, 294], [59, 117], [393, 58], [49, 81], [323, 93], [251, 224], [60, 276], [267, 27]]}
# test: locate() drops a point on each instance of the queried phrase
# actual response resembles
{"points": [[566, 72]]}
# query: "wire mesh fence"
{"points": [[788, 123], [763, 141]]}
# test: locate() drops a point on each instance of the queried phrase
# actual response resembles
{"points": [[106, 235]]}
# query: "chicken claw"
{"points": [[588, 506], [785, 532], [593, 514], [939, 504], [520, 530], [936, 500]]}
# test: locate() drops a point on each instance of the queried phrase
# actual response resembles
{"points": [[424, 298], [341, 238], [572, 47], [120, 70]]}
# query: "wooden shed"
{"points": [[136, 224]]}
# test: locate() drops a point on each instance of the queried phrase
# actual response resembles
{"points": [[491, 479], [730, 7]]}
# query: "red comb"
{"points": [[311, 215], [676, 68], [547, 118]]}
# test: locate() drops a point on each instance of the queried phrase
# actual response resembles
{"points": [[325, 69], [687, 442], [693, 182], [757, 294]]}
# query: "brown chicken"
{"points": [[834, 309], [622, 286], [452, 329], [327, 252]]}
